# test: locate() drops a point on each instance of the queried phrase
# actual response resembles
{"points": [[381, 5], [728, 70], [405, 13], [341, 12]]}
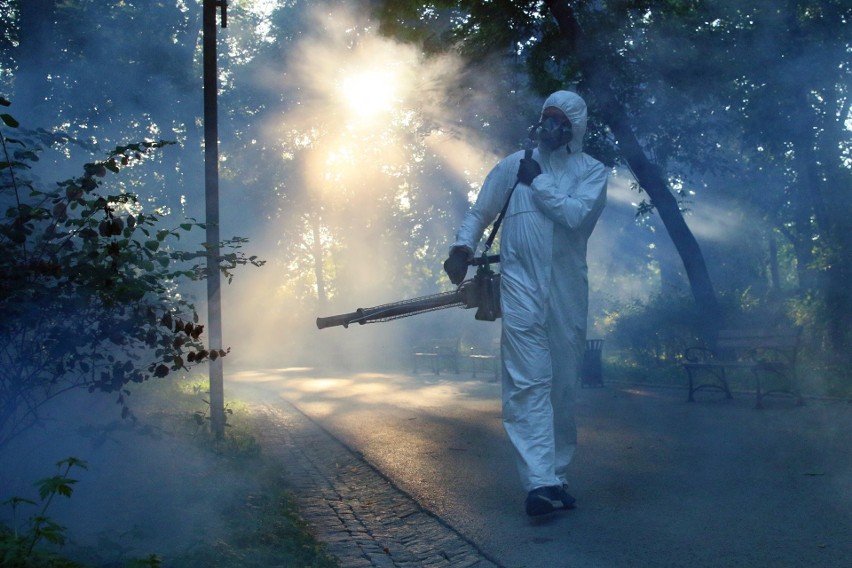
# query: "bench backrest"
{"points": [[767, 344], [770, 338], [444, 347], [448, 347]]}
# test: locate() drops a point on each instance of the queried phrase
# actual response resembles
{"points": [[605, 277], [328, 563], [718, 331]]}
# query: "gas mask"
{"points": [[553, 133]]}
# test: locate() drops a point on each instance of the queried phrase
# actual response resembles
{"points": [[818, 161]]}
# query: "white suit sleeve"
{"points": [[492, 196], [572, 206]]}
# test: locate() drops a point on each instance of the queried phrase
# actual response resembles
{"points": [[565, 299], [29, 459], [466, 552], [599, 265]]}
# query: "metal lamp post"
{"points": [[211, 192]]}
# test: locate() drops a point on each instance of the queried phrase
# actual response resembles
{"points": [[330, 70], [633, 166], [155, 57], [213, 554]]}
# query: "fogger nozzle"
{"points": [[481, 292]]}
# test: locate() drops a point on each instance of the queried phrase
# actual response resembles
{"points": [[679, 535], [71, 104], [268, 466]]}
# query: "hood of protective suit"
{"points": [[574, 108]]}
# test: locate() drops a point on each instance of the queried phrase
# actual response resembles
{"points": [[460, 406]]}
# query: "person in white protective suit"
{"points": [[558, 197]]}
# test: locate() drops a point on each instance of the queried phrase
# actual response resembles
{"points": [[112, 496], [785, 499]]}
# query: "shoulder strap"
{"points": [[496, 226]]}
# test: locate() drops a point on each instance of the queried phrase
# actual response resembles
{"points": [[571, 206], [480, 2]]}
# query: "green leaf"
{"points": [[73, 462], [50, 530], [57, 484], [26, 155], [152, 245], [9, 120], [14, 501]]}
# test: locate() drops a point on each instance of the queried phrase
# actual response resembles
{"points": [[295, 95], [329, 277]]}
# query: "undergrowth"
{"points": [[262, 525], [265, 530]]}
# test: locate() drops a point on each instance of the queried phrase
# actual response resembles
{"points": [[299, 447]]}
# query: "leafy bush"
{"points": [[88, 283], [645, 339], [654, 333], [19, 544], [260, 520]]}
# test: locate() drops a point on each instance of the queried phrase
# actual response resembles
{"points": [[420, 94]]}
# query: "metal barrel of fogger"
{"points": [[403, 308], [395, 310]]}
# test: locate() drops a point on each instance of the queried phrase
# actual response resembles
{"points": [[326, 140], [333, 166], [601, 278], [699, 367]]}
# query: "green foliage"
{"points": [[265, 530], [263, 527], [646, 340], [238, 441], [180, 407], [651, 334], [19, 544], [89, 283]]}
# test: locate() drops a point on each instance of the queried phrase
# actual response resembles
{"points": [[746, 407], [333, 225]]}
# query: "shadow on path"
{"points": [[659, 482]]}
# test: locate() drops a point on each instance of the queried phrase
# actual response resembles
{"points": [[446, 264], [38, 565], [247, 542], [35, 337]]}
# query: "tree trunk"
{"points": [[319, 273], [647, 174], [774, 272], [828, 204], [835, 186], [819, 129]]}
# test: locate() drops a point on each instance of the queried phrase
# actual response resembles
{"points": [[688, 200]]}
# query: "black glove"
{"points": [[528, 170], [456, 265]]}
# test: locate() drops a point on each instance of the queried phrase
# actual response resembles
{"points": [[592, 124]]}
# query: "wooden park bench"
{"points": [[485, 358], [769, 354], [439, 354], [485, 363]]}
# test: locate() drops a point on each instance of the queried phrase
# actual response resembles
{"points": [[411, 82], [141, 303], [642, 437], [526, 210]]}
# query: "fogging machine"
{"points": [[481, 292]]}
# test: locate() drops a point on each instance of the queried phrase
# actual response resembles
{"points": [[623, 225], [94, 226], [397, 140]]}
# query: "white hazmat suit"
{"points": [[544, 290]]}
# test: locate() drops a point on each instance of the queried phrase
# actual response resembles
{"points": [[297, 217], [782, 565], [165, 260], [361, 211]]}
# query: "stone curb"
{"points": [[364, 520]]}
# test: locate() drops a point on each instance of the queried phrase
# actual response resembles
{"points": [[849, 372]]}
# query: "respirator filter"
{"points": [[553, 133]]}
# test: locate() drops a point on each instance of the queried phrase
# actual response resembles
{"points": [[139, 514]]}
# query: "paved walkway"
{"points": [[362, 517], [394, 470]]}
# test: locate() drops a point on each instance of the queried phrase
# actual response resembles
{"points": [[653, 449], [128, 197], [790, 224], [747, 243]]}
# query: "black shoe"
{"points": [[545, 500], [566, 498]]}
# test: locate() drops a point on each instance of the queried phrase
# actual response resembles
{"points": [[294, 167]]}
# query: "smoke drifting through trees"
{"points": [[352, 204]]}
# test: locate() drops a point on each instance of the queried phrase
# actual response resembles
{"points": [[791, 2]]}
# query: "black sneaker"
{"points": [[545, 500], [566, 498]]}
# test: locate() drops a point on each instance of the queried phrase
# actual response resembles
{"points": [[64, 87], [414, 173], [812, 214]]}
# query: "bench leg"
{"points": [[433, 362], [691, 387], [721, 377], [728, 394], [759, 403], [792, 388]]}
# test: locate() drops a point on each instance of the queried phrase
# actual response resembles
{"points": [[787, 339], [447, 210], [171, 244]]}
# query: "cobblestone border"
{"points": [[364, 520]]}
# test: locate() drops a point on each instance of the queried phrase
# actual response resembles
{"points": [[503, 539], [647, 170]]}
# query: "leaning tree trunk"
{"points": [[647, 174]]}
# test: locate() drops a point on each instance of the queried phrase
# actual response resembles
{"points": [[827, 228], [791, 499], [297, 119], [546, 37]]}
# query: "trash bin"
{"points": [[591, 374]]}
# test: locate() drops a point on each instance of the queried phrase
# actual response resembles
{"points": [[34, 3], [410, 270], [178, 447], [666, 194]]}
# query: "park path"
{"points": [[363, 519], [402, 470]]}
